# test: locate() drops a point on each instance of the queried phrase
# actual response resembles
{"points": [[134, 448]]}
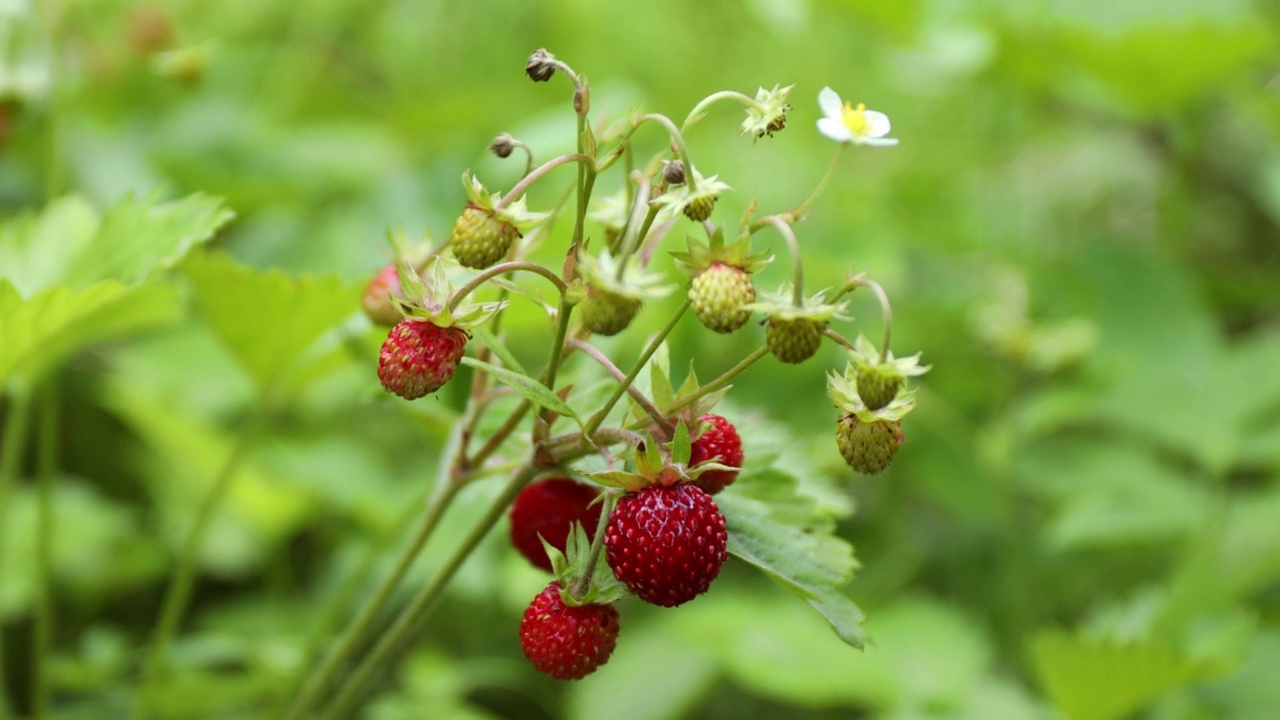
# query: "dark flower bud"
{"points": [[673, 172], [503, 145], [541, 66]]}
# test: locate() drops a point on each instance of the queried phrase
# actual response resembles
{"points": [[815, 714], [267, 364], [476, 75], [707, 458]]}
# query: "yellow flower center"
{"points": [[856, 118]]}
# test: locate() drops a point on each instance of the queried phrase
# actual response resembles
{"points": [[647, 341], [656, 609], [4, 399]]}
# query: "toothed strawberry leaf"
{"points": [[486, 338], [532, 390], [778, 530]]}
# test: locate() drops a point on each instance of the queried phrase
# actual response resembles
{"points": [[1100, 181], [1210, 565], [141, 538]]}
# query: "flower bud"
{"points": [[540, 66], [673, 172], [503, 145]]}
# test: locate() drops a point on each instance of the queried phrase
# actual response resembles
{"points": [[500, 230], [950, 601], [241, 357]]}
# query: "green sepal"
{"points": [[701, 255], [843, 389], [864, 356], [428, 299], [601, 272], [675, 200], [570, 567], [680, 446], [516, 213], [778, 305]]}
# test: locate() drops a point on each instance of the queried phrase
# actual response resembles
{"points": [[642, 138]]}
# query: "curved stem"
{"points": [[797, 265], [502, 269], [886, 313], [636, 228], [678, 140], [721, 381], [531, 177], [178, 593], [596, 420], [443, 496], [11, 451], [699, 110], [46, 466], [597, 545], [798, 212], [630, 388], [425, 600], [840, 339]]}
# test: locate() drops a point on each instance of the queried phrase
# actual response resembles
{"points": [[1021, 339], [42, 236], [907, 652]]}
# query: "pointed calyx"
{"points": [[879, 379], [722, 287], [426, 297]]}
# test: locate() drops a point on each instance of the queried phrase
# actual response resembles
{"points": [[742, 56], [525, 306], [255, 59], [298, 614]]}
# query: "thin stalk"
{"points": [[46, 466], [678, 139], [636, 395], [886, 313], [721, 381], [12, 447], [596, 420], [426, 598], [840, 339], [495, 441], [178, 593], [798, 212], [442, 497], [797, 264], [597, 545], [537, 174], [636, 228], [700, 109], [502, 269]]}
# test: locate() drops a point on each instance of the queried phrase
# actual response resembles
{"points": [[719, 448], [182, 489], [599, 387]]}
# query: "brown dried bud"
{"points": [[540, 66], [673, 172], [503, 145]]}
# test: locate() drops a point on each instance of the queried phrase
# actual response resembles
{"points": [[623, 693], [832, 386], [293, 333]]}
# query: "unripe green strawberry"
{"points": [[700, 207], [868, 447], [718, 295], [794, 340], [666, 543], [480, 239], [376, 301], [607, 313], [418, 357], [879, 385], [567, 642]]}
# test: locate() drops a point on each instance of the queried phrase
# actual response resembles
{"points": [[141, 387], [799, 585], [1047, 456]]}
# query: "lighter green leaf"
{"points": [[71, 244], [783, 533], [532, 390], [1097, 679], [487, 338], [267, 318]]}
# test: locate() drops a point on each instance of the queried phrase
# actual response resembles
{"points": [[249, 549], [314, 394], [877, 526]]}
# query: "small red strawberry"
{"points": [[564, 641], [547, 509], [377, 299], [421, 351], [418, 357], [720, 441], [666, 543]]}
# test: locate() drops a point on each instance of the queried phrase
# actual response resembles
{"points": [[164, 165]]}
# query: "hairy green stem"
{"points": [[597, 546], [596, 420], [502, 269], [798, 212], [636, 227], [178, 593], [720, 381], [425, 600], [840, 339], [607, 364], [534, 176], [445, 491], [797, 264], [699, 110], [46, 466]]}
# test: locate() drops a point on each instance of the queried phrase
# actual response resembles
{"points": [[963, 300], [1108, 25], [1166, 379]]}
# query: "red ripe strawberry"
{"points": [[548, 508], [566, 642], [666, 543], [720, 439], [418, 357]]}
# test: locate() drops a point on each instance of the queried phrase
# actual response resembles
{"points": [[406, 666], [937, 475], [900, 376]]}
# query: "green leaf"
{"points": [[42, 330], [71, 244], [781, 532], [532, 390], [494, 344], [267, 318], [1091, 678]]}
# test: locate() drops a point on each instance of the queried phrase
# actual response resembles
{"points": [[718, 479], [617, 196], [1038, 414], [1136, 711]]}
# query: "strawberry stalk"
{"points": [[677, 139], [797, 266], [798, 213], [594, 353], [597, 545], [699, 110], [530, 178], [720, 381], [502, 269]]}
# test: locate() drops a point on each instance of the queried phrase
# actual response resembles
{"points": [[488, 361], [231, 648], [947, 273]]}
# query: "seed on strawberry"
{"points": [[718, 295], [868, 447], [608, 313], [666, 543], [547, 509], [721, 441], [376, 301], [418, 357], [567, 642], [795, 340], [481, 239]]}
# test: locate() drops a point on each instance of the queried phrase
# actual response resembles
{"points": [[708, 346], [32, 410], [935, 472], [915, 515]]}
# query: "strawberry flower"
{"points": [[845, 123]]}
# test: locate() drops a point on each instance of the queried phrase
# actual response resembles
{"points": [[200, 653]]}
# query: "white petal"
{"points": [[876, 142], [834, 129], [877, 124], [830, 103]]}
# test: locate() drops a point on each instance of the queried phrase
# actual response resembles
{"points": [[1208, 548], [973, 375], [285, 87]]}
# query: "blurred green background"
{"points": [[1080, 230]]}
